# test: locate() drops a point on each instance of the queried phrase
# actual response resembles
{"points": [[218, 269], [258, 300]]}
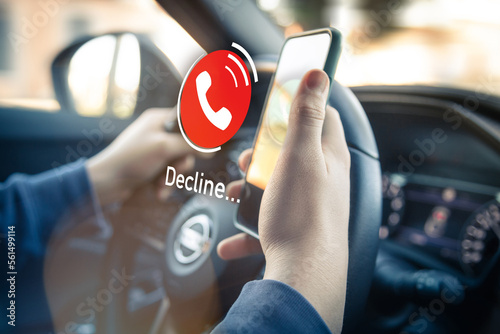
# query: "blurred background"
{"points": [[32, 33], [454, 43], [434, 42]]}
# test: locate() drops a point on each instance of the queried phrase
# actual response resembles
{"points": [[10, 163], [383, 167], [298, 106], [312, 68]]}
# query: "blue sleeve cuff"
{"points": [[36, 203], [269, 306], [56, 192]]}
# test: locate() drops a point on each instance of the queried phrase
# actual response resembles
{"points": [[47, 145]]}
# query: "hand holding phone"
{"points": [[319, 49], [304, 214]]}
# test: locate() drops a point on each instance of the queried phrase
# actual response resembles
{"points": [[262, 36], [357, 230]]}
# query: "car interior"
{"points": [[424, 229]]}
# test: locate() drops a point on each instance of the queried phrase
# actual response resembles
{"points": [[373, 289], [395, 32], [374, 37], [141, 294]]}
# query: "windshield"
{"points": [[447, 43], [34, 32]]}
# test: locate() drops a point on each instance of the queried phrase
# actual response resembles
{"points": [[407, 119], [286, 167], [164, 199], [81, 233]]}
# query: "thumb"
{"points": [[307, 113]]}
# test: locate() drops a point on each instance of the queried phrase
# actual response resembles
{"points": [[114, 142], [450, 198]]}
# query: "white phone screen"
{"points": [[299, 55]]}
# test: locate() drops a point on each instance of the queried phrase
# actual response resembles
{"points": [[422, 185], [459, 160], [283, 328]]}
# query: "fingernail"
{"points": [[317, 80]]}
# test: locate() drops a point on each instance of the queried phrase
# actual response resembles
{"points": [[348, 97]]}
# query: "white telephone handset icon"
{"points": [[222, 118]]}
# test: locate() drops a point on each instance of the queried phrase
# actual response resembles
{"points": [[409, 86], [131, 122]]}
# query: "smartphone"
{"points": [[316, 49]]}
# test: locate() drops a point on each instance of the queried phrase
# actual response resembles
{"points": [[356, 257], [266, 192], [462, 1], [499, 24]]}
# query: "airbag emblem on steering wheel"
{"points": [[193, 239]]}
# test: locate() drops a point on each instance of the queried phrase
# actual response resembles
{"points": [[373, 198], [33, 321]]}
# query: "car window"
{"points": [[32, 33], [433, 42]]}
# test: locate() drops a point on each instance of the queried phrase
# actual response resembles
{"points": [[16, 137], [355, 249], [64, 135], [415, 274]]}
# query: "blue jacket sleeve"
{"points": [[269, 306], [32, 205]]}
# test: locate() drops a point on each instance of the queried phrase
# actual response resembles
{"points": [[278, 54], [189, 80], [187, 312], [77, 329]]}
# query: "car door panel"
{"points": [[32, 141]]}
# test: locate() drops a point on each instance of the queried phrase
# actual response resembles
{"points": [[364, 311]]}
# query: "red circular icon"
{"points": [[215, 99]]}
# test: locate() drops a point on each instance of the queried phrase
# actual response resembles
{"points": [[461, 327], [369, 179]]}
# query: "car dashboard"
{"points": [[439, 151], [442, 224], [441, 178]]}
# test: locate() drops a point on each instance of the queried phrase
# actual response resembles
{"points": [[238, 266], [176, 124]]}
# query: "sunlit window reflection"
{"points": [[88, 75], [104, 76], [127, 76]]}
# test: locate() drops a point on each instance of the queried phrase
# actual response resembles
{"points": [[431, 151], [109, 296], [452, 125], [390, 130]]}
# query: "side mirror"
{"points": [[120, 75]]}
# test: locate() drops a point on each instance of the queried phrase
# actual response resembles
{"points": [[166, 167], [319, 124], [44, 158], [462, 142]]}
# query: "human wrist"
{"points": [[320, 279], [103, 179]]}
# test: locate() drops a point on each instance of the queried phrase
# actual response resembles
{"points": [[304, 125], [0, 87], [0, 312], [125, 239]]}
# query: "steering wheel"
{"points": [[200, 286]]}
